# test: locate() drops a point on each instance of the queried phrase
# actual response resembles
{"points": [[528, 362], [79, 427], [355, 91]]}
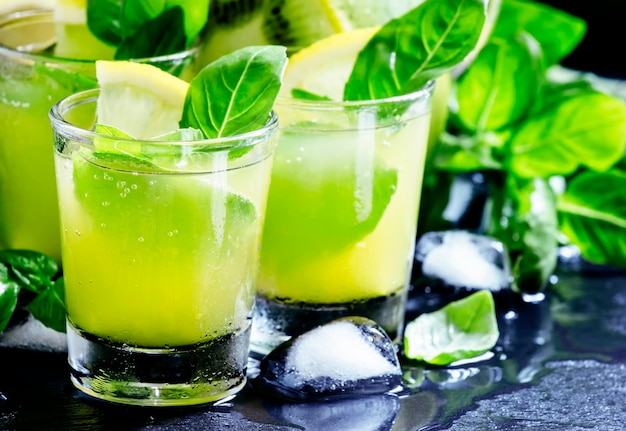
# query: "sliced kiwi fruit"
{"points": [[233, 12], [295, 23]]}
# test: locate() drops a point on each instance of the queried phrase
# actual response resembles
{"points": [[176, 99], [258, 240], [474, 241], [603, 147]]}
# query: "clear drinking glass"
{"points": [[342, 213], [32, 79], [160, 246]]}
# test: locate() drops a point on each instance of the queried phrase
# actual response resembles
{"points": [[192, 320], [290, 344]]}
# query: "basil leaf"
{"points": [[8, 297], [399, 59], [49, 306], [156, 37], [299, 93], [30, 269], [147, 28], [524, 218], [592, 215], [557, 32], [467, 153], [462, 329], [235, 93], [585, 129], [489, 96]]}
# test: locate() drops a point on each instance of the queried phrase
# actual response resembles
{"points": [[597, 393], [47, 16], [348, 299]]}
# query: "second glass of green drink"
{"points": [[342, 213], [160, 256], [33, 78]]}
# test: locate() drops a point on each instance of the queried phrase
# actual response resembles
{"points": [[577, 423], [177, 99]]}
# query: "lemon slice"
{"points": [[74, 39], [139, 99], [8, 6], [324, 67]]}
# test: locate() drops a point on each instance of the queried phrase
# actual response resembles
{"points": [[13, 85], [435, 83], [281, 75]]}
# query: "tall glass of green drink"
{"points": [[160, 255], [33, 77], [341, 217]]}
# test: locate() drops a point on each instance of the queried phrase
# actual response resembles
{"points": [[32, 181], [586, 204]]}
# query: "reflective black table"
{"points": [[559, 365]]}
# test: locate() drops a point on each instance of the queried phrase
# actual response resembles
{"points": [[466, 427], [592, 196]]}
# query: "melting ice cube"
{"points": [[463, 259], [352, 355]]}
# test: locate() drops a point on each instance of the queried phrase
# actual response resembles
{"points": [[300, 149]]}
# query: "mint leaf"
{"points": [[462, 329], [421, 45], [235, 94]]}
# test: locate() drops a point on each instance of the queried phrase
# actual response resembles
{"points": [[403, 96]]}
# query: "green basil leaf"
{"points": [[30, 269], [585, 129], [399, 59], [49, 306], [9, 291], [557, 32], [235, 94], [463, 153], [123, 23], [462, 329], [299, 93], [488, 95], [524, 219], [156, 37], [592, 215]]}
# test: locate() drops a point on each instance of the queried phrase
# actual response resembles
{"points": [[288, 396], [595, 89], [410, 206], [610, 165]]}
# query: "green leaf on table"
{"points": [[582, 129], [557, 32], [235, 94], [592, 215], [400, 59], [488, 95], [49, 306], [462, 329]]}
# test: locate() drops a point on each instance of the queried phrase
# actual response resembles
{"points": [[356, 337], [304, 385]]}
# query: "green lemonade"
{"points": [[341, 216], [158, 259]]}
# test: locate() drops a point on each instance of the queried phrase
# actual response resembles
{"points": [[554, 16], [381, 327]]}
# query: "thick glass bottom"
{"points": [[276, 321], [177, 376]]}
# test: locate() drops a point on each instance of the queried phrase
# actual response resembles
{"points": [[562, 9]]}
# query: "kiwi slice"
{"points": [[233, 12], [295, 23]]}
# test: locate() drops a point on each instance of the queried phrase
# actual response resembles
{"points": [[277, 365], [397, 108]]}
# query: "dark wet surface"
{"points": [[560, 365]]}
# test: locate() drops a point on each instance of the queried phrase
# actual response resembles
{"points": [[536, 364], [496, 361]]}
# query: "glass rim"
{"points": [[331, 105], [85, 136], [10, 17]]}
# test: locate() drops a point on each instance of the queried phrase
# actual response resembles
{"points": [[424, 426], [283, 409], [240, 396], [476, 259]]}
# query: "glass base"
{"points": [[178, 376], [275, 322]]}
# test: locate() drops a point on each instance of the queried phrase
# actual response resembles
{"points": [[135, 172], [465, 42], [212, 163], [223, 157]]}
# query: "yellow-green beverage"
{"points": [[32, 79], [342, 211], [160, 257]]}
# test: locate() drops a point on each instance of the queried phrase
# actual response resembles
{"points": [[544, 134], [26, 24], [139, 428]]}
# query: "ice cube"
{"points": [[464, 259], [452, 264], [31, 334], [363, 413], [352, 355]]}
